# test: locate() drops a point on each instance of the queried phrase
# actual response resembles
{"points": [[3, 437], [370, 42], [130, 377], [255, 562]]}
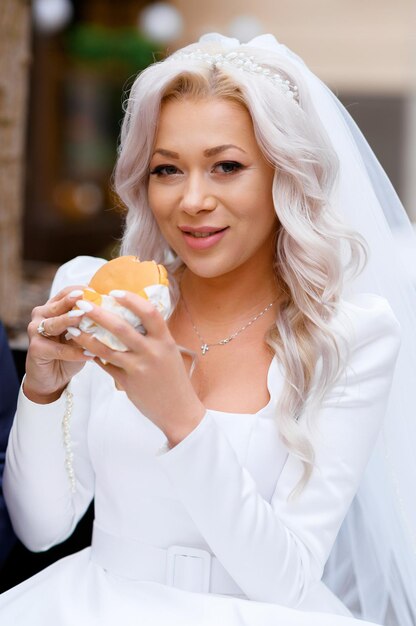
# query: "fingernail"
{"points": [[84, 306], [88, 353], [76, 313], [76, 293], [75, 332], [117, 293]]}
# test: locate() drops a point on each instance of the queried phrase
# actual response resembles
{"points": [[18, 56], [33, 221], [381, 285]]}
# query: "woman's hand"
{"points": [[52, 361], [151, 372]]}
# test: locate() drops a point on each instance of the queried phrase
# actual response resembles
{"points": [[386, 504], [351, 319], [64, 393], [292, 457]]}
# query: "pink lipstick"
{"points": [[202, 237]]}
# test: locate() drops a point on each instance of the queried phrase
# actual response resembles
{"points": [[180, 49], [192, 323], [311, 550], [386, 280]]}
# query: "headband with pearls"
{"points": [[244, 62]]}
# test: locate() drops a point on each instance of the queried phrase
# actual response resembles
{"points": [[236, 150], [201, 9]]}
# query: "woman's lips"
{"points": [[202, 238]]}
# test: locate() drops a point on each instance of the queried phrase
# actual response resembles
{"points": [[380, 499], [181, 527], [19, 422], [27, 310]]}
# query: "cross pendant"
{"points": [[204, 348]]}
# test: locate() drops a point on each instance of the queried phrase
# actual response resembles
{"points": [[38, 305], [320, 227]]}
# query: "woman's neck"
{"points": [[223, 299]]}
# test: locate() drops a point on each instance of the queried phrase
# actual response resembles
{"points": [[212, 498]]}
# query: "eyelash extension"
{"points": [[158, 169], [236, 164]]}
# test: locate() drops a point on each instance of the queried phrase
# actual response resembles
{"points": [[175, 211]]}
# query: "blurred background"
{"points": [[64, 66]]}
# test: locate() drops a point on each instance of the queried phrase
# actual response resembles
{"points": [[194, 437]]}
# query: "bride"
{"points": [[221, 481]]}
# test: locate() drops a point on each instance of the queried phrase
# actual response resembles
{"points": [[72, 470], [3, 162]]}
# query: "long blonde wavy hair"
{"points": [[314, 249]]}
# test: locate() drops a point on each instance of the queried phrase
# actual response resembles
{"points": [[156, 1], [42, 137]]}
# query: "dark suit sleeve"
{"points": [[9, 386]]}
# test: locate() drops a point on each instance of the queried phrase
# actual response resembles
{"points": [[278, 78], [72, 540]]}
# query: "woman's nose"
{"points": [[197, 196]]}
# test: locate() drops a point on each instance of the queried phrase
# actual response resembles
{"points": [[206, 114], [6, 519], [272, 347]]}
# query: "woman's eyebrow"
{"points": [[167, 153], [209, 152]]}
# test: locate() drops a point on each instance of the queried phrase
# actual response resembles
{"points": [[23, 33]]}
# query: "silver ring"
{"points": [[41, 329]]}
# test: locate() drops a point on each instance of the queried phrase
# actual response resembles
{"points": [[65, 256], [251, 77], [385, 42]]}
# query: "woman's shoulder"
{"points": [[77, 271], [368, 325], [366, 314]]}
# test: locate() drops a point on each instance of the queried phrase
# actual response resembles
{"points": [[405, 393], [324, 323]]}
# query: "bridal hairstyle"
{"points": [[314, 250]]}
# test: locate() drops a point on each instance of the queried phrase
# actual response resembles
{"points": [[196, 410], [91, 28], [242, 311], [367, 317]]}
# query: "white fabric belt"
{"points": [[190, 569]]}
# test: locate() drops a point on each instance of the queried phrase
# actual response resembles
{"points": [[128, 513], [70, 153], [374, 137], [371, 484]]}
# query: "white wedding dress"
{"points": [[161, 515]]}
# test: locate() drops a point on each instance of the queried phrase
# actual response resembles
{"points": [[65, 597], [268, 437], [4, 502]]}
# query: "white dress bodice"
{"points": [[224, 489]]}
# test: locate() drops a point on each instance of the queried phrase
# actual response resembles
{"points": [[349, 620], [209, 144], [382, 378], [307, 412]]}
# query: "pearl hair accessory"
{"points": [[242, 61]]}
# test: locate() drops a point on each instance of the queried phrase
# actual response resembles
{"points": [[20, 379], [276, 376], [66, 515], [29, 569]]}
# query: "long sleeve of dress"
{"points": [[48, 479], [44, 501], [276, 550]]}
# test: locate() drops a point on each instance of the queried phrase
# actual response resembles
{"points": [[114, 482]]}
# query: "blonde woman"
{"points": [[219, 492]]}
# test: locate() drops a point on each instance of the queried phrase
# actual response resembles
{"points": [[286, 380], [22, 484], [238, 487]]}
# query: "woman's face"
{"points": [[210, 188]]}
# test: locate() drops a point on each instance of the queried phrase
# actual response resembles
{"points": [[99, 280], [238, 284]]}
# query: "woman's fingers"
{"points": [[46, 351], [96, 348], [135, 342], [115, 324], [59, 304], [52, 318], [67, 291], [55, 326], [151, 319]]}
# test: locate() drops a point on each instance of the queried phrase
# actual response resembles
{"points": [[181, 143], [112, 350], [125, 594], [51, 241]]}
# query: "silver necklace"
{"points": [[222, 342]]}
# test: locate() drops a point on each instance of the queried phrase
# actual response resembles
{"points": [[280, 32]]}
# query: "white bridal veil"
{"points": [[373, 564]]}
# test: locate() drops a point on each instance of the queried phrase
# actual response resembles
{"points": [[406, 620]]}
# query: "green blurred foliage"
{"points": [[101, 46]]}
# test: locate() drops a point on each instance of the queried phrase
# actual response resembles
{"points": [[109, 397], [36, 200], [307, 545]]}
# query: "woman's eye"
{"points": [[164, 170], [228, 167]]}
